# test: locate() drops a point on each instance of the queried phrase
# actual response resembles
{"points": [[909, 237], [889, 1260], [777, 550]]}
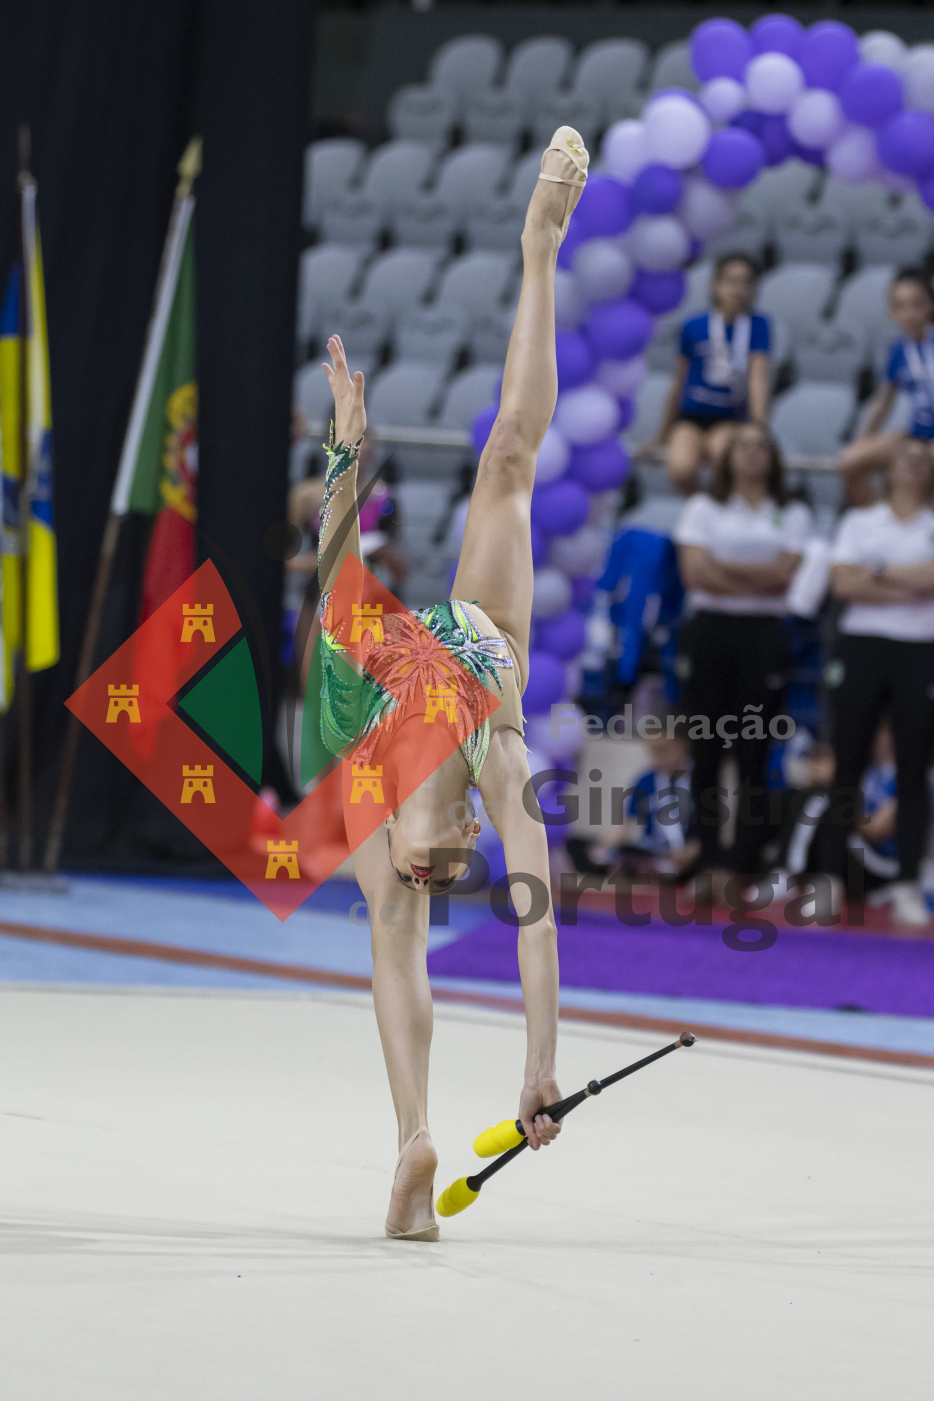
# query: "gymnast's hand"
{"points": [[349, 413], [538, 1127]]}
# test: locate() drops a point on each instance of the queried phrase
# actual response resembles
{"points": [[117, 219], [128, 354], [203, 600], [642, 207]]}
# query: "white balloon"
{"points": [[722, 99], [569, 740], [582, 554], [774, 83], [705, 210], [602, 270], [553, 456], [658, 242], [570, 308], [854, 155], [919, 78], [587, 415], [676, 131], [624, 378], [817, 118], [624, 149], [551, 593], [886, 49]]}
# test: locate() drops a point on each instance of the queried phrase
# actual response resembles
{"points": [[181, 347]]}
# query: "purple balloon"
{"points": [[604, 208], [627, 412], [656, 190], [560, 508], [720, 48], [539, 546], [546, 683], [482, 425], [581, 592], [619, 330], [658, 291], [906, 144], [733, 158], [575, 362], [871, 95], [829, 54], [771, 131], [563, 636], [813, 155], [599, 466], [926, 191], [572, 241], [777, 34]]}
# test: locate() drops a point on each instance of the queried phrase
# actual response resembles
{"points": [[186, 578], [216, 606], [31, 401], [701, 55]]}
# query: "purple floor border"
{"points": [[804, 968]]}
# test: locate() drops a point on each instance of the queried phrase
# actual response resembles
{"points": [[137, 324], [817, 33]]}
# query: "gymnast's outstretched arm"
{"points": [[340, 496]]}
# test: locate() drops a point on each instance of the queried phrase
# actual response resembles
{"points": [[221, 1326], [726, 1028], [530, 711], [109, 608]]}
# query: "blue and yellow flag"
{"points": [[24, 310]]}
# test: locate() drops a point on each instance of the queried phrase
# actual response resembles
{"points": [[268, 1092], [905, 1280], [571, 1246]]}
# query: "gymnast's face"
{"points": [[416, 831]]}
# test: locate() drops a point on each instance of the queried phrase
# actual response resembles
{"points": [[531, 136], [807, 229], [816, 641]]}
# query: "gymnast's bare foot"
{"points": [[411, 1206]]}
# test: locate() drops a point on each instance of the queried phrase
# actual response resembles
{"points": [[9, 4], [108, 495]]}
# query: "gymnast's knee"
{"points": [[509, 456]]}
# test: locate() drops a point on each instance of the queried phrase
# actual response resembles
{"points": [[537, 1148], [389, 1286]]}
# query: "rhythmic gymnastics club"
{"points": [[510, 1134]]}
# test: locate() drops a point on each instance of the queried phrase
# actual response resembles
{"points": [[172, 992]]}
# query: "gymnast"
{"points": [[486, 625]]}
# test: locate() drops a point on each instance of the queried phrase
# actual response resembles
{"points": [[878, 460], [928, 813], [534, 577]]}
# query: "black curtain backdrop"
{"points": [[112, 92]]}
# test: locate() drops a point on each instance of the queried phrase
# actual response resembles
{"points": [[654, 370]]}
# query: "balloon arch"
{"points": [[861, 108]]}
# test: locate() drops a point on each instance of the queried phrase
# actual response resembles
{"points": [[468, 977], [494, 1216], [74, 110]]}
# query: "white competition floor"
{"points": [[193, 1186], [195, 1164]]}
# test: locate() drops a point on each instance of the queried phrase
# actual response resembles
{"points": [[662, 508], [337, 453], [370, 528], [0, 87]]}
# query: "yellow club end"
{"points": [[457, 1198], [497, 1140]]}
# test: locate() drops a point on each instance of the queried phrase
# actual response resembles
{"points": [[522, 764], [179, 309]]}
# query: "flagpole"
{"points": [[24, 689], [189, 167]]}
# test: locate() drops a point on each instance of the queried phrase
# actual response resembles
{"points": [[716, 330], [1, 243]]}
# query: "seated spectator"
{"points": [[658, 831], [722, 376], [910, 368]]}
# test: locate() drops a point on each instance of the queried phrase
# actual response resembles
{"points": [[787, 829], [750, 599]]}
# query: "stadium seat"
{"points": [[494, 117], [781, 188], [673, 69], [811, 419], [420, 112], [536, 68], [650, 405], [470, 175], [496, 225], [749, 234], [797, 293], [524, 177], [312, 390], [329, 168], [608, 71], [432, 335], [832, 351], [464, 66], [664, 347], [363, 330], [424, 222], [468, 393], [404, 395], [352, 221], [489, 337], [398, 280], [325, 277], [811, 233], [477, 282], [899, 234], [397, 172], [853, 201], [564, 109]]}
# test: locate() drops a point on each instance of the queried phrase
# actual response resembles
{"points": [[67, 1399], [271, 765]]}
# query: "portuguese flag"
{"points": [[158, 470]]}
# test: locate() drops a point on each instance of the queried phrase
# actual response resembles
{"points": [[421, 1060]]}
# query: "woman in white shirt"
{"points": [[883, 566], [738, 546]]}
